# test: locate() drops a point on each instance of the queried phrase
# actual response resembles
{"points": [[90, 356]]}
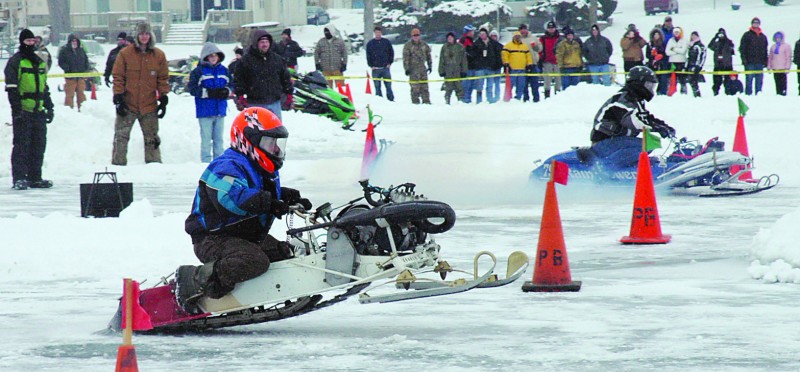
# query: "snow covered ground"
{"points": [[706, 301]]}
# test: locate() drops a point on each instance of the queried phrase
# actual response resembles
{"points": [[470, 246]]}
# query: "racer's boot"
{"points": [[191, 283]]}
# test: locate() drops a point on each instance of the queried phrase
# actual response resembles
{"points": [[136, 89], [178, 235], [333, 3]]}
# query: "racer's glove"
{"points": [[49, 114], [278, 208], [108, 81], [119, 103], [292, 196], [662, 128], [162, 106]]}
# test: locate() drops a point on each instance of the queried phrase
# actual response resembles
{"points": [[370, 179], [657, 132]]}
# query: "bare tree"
{"points": [[369, 20], [59, 19]]}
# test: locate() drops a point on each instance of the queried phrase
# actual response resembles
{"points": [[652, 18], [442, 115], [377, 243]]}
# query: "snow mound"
{"points": [[777, 259]]}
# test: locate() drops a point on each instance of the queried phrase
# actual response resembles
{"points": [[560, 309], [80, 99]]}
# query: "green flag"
{"points": [[742, 108], [369, 113], [651, 141]]}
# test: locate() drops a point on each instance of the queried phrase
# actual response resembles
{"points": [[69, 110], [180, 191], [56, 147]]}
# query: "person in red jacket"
{"points": [[547, 57]]}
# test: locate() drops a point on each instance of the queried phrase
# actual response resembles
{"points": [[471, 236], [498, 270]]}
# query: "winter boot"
{"points": [[41, 184], [683, 89], [190, 284], [546, 93], [20, 185], [479, 98]]}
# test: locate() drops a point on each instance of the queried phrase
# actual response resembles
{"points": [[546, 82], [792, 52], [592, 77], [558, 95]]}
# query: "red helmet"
{"points": [[259, 134]]}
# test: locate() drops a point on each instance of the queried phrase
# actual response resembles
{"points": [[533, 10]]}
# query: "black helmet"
{"points": [[642, 81]]}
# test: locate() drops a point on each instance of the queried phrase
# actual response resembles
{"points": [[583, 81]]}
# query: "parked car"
{"points": [[660, 6], [317, 16]]}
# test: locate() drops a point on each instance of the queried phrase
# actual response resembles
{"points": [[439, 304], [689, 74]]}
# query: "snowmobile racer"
{"points": [[237, 200], [623, 116]]}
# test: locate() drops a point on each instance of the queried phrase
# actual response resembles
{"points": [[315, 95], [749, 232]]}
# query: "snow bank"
{"points": [[776, 252]]}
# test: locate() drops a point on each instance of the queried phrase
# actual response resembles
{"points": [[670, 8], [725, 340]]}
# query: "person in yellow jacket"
{"points": [[570, 60], [517, 60]]}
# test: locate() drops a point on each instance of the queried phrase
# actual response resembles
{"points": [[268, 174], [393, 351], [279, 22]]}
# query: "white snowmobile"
{"points": [[388, 240]]}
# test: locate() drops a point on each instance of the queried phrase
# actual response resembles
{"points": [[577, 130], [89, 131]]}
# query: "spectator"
{"points": [[330, 56], [479, 61], [43, 53], [416, 53], [380, 55], [568, 55], [779, 60], [209, 84], [466, 40], [122, 42], [666, 29], [493, 82], [633, 48], [535, 48], [597, 51], [517, 60], [733, 85], [73, 60], [261, 76], [452, 65], [140, 96], [657, 60], [548, 58], [797, 62], [237, 58], [31, 110], [723, 57], [677, 47], [753, 50], [289, 49], [697, 58]]}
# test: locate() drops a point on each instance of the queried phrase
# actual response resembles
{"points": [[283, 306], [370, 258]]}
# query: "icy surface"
{"points": [[701, 303]]}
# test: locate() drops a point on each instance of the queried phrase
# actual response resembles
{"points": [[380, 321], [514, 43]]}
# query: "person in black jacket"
{"points": [[262, 76], [122, 41], [72, 59], [753, 50], [493, 82], [796, 60], [289, 49], [380, 55], [237, 58], [723, 57], [480, 60]]}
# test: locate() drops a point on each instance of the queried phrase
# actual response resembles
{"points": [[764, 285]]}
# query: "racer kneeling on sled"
{"points": [[620, 120], [236, 202]]}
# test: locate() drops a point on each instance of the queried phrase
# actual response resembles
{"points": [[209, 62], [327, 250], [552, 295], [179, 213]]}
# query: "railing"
{"points": [[229, 18], [119, 20]]}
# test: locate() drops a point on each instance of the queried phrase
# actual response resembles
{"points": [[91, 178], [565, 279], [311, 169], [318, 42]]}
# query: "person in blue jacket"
{"points": [[237, 199], [209, 83]]}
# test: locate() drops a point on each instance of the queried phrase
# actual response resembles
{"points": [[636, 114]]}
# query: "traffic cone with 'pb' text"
{"points": [[551, 273], [645, 223]]}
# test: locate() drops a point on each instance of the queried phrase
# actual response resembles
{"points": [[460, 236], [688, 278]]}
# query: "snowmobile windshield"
{"points": [[273, 146]]}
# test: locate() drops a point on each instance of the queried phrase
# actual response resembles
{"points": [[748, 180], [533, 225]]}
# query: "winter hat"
{"points": [[469, 28], [415, 31], [494, 33], [694, 33], [25, 34], [122, 36], [567, 31], [631, 27], [142, 28], [287, 32], [667, 19], [451, 33], [551, 24], [238, 51], [677, 32], [522, 26], [516, 33], [755, 19], [483, 29], [777, 35], [595, 27]]}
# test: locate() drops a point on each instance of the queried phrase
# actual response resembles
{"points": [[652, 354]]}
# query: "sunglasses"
{"points": [[415, 35]]}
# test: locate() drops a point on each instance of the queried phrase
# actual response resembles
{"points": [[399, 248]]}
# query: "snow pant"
{"points": [[628, 65], [453, 86], [519, 83], [71, 87], [383, 73], [550, 68], [419, 91], [663, 83], [122, 134], [605, 78], [333, 73], [211, 130], [618, 152], [30, 140], [798, 80], [235, 260], [493, 86], [748, 78], [570, 80], [533, 82], [719, 80], [694, 79], [780, 83], [275, 107]]}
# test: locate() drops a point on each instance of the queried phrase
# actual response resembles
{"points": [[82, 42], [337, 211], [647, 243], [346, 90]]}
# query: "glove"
{"points": [[218, 93], [318, 67], [108, 81], [429, 70], [278, 208], [659, 57], [162, 106], [287, 104], [344, 68], [15, 100], [119, 103], [49, 115], [292, 196], [529, 68], [408, 73], [286, 250], [241, 103], [663, 129], [441, 73]]}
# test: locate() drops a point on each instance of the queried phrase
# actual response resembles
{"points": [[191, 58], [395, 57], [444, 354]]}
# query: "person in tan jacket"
{"points": [[140, 93], [632, 48]]}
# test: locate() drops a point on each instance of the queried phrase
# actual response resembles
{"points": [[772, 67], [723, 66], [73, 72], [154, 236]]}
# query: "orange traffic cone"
{"points": [[370, 152], [126, 359], [369, 87], [94, 91], [645, 224], [348, 93], [673, 85], [740, 146], [551, 273]]}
